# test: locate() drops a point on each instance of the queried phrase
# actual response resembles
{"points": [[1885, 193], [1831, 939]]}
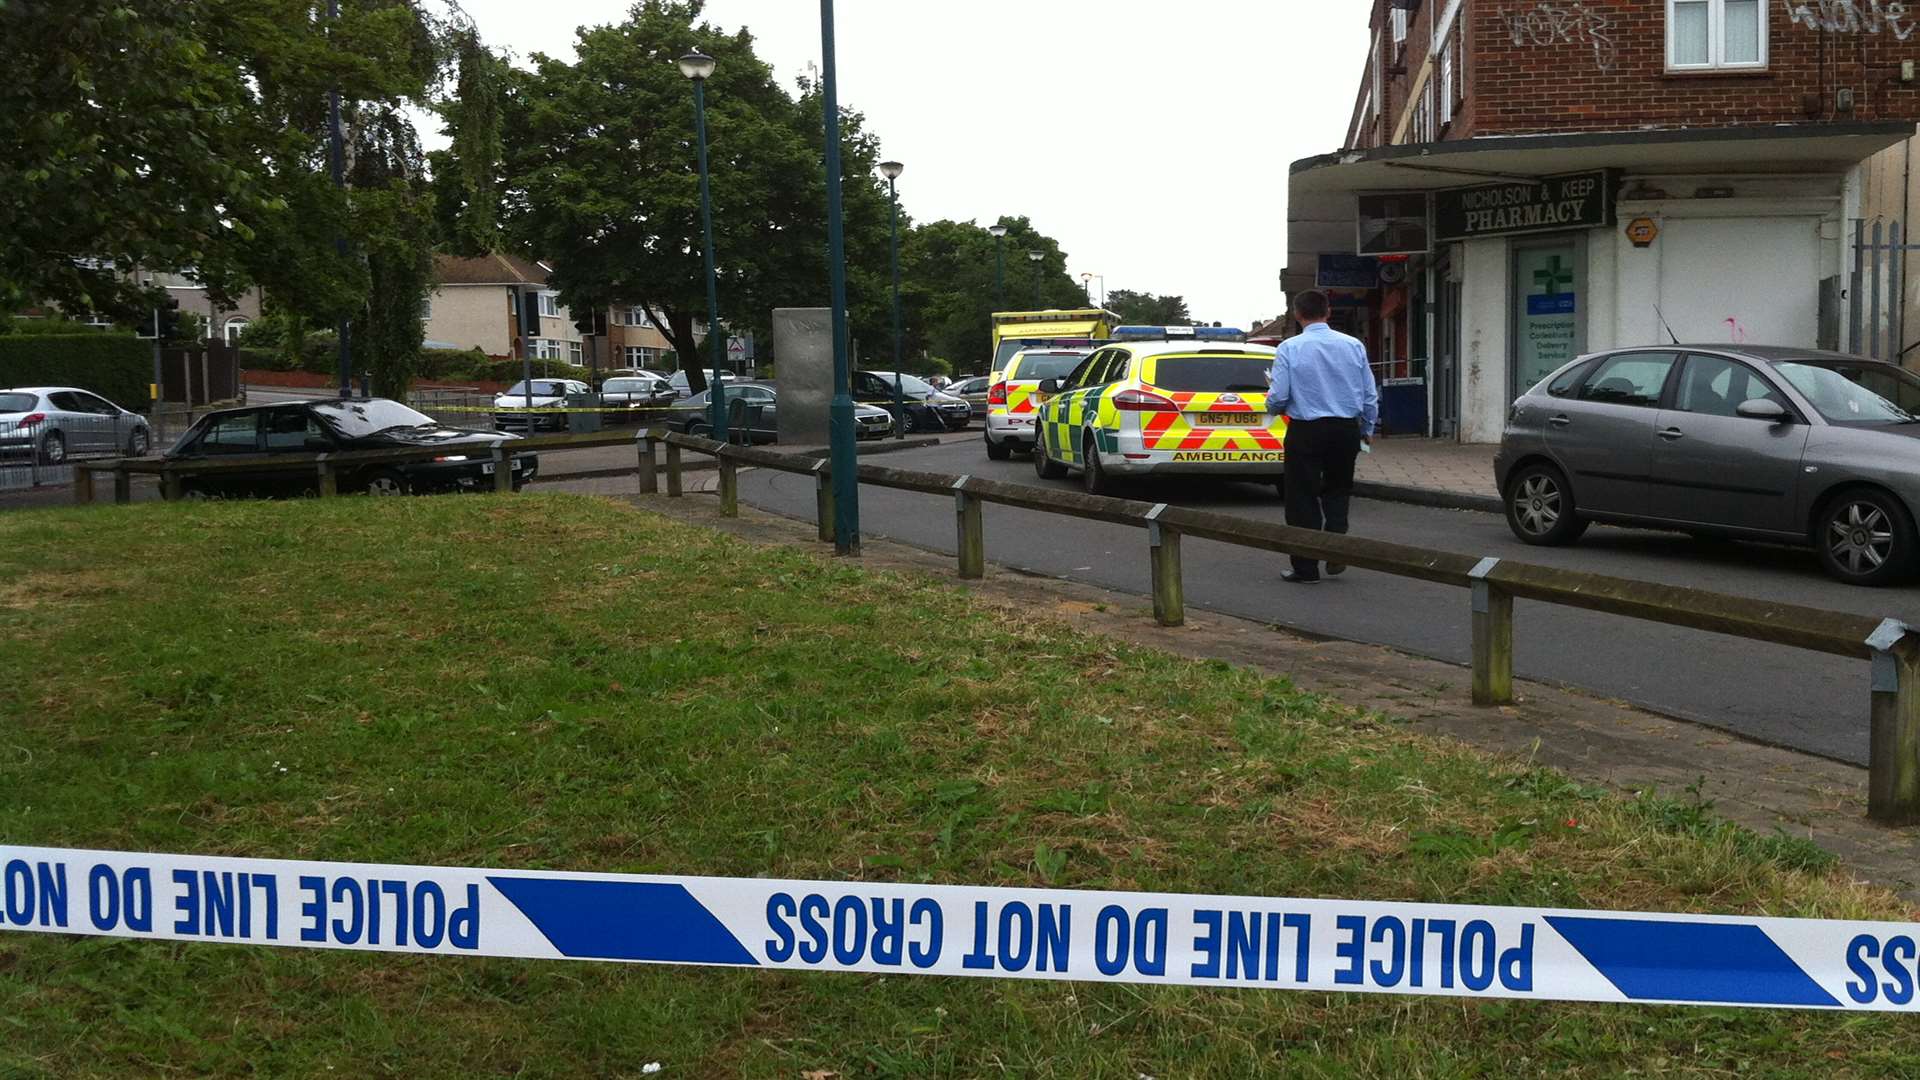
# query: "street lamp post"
{"points": [[892, 170], [697, 66], [999, 266], [1034, 257], [846, 482], [337, 165], [1086, 284]]}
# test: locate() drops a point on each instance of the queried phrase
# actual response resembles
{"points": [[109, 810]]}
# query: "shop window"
{"points": [[1706, 35]]}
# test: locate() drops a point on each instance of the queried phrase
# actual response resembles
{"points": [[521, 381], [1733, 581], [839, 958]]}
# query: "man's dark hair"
{"points": [[1311, 305]]}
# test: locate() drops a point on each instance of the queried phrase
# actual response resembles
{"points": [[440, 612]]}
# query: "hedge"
{"points": [[118, 367]]}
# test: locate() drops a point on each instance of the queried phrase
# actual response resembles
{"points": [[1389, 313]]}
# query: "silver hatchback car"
{"points": [[1750, 442], [55, 423]]}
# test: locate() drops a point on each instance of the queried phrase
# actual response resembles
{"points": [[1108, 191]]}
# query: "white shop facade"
{"points": [[1472, 268]]}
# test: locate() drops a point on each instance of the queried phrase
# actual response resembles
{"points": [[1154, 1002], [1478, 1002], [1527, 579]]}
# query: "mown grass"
{"points": [[552, 681]]}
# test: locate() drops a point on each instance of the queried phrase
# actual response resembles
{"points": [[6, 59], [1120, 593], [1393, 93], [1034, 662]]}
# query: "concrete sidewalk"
{"points": [[1430, 472]]}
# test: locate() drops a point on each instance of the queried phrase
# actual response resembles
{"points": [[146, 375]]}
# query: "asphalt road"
{"points": [[1784, 696]]}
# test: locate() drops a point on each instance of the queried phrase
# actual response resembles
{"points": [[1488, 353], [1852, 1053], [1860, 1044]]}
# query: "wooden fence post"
{"points": [[1169, 592], [82, 484], [729, 487], [122, 486], [1893, 754], [1492, 638], [673, 471], [172, 486], [972, 533], [329, 479], [823, 499], [649, 466], [502, 470]]}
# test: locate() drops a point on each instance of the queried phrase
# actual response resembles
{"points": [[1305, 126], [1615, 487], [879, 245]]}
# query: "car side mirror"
{"points": [[1049, 386], [1763, 409]]}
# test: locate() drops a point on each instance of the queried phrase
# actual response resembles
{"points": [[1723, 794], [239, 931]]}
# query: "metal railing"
{"points": [[1893, 770]]}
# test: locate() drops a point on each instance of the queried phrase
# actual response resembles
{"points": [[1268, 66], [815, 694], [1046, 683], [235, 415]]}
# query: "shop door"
{"points": [[1549, 308]]}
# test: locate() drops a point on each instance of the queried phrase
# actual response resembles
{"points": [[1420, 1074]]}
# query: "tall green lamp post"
{"points": [[846, 481], [698, 66], [892, 170]]}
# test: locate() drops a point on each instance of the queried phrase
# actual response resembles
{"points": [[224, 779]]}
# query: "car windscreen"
{"points": [[1014, 345], [354, 419], [1856, 394], [908, 384], [1244, 373], [1036, 366], [541, 388], [18, 402]]}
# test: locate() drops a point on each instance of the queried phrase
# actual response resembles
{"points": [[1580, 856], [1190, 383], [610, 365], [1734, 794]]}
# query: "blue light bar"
{"points": [[1172, 333]]}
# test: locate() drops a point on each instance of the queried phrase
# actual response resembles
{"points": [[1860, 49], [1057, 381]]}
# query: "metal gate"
{"points": [[1876, 317]]}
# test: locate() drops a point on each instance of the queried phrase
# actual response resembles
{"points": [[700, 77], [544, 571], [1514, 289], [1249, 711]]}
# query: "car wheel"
{"points": [[1866, 537], [1095, 475], [1540, 508], [53, 448], [137, 443], [388, 482], [1043, 466], [699, 429], [998, 451], [907, 422]]}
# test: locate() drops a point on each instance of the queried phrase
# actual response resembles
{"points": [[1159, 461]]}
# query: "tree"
{"points": [[949, 266], [1146, 309]]}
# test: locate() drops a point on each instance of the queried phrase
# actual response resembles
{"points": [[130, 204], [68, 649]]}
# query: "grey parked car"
{"points": [[1751, 442], [58, 422]]}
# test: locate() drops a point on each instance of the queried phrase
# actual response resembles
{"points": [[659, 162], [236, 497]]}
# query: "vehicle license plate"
{"points": [[1231, 419]]}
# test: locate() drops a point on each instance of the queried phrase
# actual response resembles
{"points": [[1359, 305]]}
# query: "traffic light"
{"points": [[166, 319]]}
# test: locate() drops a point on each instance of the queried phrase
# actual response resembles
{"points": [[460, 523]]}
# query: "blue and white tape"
{"points": [[1255, 942]]}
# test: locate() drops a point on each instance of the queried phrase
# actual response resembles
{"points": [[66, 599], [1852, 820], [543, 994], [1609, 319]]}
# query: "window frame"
{"points": [[202, 447], [1717, 40], [549, 304], [1758, 373]]}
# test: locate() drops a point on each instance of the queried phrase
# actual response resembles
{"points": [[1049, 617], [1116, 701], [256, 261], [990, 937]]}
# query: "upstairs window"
{"points": [[1708, 35], [550, 305]]}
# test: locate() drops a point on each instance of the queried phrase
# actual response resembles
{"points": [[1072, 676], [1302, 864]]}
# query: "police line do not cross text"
{"points": [[1053, 934]]}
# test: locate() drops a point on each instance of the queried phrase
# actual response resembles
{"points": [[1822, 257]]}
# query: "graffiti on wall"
{"points": [[1870, 17], [1546, 23]]}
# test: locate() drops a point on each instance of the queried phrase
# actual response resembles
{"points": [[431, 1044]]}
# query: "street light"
{"points": [[892, 170], [999, 266], [1086, 284], [1034, 257], [846, 481], [698, 66]]}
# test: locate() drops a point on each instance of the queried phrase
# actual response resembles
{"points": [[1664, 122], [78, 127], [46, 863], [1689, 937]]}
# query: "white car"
{"points": [[681, 388], [58, 422], [511, 408]]}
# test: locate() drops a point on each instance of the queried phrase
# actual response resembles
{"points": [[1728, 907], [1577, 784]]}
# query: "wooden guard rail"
{"points": [[1893, 780]]}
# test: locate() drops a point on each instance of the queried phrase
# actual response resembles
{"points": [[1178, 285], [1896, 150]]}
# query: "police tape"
{"points": [[1053, 934], [516, 410]]}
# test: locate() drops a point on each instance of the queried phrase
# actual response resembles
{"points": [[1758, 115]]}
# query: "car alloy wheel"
{"points": [[1537, 504], [137, 443], [1540, 506], [1096, 478], [1863, 539], [53, 448], [387, 482], [1044, 466]]}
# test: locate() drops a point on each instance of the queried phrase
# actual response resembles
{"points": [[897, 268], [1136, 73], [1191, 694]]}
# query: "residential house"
{"points": [[480, 302], [1525, 181]]}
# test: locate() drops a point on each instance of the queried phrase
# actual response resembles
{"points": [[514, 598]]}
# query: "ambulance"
{"points": [[1012, 404], [1059, 328], [1162, 401]]}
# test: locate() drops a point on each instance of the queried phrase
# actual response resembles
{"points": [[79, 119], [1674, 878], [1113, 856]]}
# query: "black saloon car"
{"points": [[336, 426]]}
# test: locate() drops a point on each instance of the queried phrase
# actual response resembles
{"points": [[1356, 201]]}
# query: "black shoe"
{"points": [[1299, 579], [1335, 569]]}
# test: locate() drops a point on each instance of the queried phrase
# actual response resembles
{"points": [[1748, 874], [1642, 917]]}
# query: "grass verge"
{"points": [[560, 682]]}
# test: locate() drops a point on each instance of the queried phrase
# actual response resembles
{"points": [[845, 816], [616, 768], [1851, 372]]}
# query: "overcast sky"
{"points": [[1151, 137]]}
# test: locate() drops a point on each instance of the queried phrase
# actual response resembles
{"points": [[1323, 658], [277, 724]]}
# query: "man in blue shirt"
{"points": [[1322, 382]]}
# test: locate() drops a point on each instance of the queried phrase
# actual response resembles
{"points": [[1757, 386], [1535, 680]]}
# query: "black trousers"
{"points": [[1319, 475]]}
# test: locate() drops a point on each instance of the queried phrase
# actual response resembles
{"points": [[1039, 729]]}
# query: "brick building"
{"points": [[481, 302], [1528, 180]]}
